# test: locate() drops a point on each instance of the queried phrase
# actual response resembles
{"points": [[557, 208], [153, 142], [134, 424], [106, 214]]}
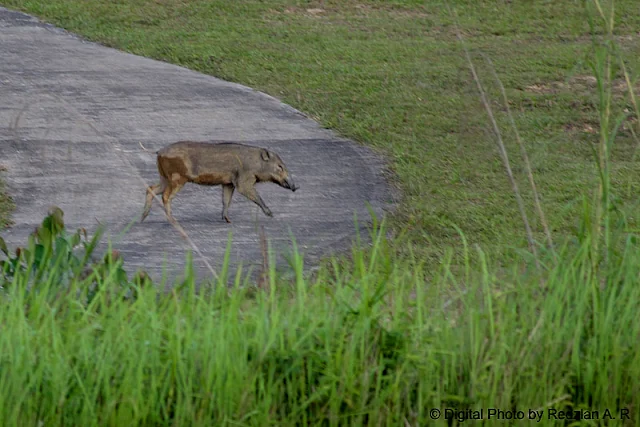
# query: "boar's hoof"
{"points": [[226, 218], [268, 212]]}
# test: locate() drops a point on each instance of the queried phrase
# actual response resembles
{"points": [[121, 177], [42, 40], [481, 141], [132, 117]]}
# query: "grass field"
{"points": [[365, 344], [445, 316], [6, 204], [392, 75]]}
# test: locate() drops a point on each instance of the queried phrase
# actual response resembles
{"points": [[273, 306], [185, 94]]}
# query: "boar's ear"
{"points": [[265, 155]]}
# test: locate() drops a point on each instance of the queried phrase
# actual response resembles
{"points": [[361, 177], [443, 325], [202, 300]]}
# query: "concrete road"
{"points": [[72, 115]]}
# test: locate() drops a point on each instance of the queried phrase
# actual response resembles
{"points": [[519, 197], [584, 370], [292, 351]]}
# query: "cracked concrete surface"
{"points": [[74, 112]]}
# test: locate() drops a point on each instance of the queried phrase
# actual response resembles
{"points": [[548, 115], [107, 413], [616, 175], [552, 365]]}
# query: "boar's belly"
{"points": [[212, 178]]}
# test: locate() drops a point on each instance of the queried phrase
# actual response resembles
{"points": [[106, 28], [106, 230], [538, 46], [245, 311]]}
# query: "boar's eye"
{"points": [[280, 168]]}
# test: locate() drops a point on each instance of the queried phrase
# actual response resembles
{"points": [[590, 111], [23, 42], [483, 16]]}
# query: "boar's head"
{"points": [[274, 170]]}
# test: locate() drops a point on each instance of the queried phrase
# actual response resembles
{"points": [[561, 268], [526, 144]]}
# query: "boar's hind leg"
{"points": [[227, 194], [247, 189], [152, 191], [176, 183]]}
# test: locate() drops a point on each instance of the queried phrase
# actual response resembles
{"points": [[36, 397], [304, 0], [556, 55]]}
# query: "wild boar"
{"points": [[231, 165]]}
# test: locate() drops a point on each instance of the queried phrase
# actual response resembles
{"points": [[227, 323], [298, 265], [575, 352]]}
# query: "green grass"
{"points": [[6, 204], [361, 344], [392, 76]]}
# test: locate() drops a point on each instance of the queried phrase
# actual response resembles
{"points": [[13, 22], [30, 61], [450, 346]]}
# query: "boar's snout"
{"points": [[288, 183]]}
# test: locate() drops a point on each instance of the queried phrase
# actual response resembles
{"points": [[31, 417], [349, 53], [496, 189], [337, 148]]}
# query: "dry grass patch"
{"points": [[580, 85]]}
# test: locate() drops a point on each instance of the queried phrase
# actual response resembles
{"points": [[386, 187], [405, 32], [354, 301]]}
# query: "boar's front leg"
{"points": [[227, 194], [246, 188]]}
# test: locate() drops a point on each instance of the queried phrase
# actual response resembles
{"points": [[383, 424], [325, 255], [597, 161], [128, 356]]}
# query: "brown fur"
{"points": [[231, 165]]}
